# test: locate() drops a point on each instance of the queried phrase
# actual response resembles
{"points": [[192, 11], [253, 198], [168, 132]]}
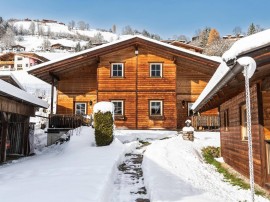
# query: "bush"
{"points": [[211, 151], [103, 128]]}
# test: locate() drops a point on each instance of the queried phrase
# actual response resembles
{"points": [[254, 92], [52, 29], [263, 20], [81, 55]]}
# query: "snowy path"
{"points": [[129, 182]]}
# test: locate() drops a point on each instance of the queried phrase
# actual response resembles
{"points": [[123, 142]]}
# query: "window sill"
{"points": [[155, 77], [119, 117], [156, 117], [117, 77]]}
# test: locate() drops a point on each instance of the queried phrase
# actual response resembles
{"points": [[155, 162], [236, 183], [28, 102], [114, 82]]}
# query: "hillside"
{"points": [[31, 34]]}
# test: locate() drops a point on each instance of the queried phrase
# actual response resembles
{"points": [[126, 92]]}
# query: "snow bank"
{"points": [[247, 44], [174, 171], [104, 107], [74, 171], [143, 135]]}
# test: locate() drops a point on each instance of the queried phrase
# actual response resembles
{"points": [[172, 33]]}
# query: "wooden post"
{"points": [[26, 147], [4, 133], [52, 95]]}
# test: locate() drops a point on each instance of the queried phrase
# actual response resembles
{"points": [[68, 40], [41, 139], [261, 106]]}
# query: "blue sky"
{"points": [[164, 17]]}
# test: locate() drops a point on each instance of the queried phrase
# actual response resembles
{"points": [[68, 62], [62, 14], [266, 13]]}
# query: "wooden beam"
{"points": [[54, 76], [52, 94], [26, 146], [4, 133]]}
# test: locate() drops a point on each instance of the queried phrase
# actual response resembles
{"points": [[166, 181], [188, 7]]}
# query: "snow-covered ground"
{"points": [[173, 170]]}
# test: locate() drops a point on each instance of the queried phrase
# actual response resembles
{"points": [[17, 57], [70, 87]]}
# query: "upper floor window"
{"points": [[118, 107], [243, 120], [156, 108], [155, 69], [19, 58], [80, 108], [117, 70]]}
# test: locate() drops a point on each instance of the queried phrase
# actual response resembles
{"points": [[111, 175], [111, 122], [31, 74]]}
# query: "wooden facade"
{"points": [[87, 78], [231, 100], [15, 112]]}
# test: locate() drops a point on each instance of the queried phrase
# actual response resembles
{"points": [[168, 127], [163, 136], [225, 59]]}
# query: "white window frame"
{"points": [[161, 107], [189, 107], [85, 109], [112, 64], [161, 70], [122, 108]]}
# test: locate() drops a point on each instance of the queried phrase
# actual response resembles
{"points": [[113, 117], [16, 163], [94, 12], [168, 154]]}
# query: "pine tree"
{"points": [[251, 29], [213, 36], [78, 47]]}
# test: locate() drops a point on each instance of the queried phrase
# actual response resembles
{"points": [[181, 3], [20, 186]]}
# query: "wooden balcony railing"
{"points": [[67, 121], [205, 122]]}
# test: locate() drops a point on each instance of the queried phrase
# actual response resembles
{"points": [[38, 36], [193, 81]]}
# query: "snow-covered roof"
{"points": [[17, 93], [247, 44], [122, 40], [240, 47], [10, 74]]}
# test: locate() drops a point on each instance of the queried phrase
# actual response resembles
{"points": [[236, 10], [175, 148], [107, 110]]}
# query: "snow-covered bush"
{"points": [[103, 123]]}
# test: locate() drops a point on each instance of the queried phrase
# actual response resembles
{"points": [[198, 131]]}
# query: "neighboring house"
{"points": [[233, 37], [59, 46], [183, 44], [226, 90], [152, 84], [17, 48], [20, 61], [16, 107]]}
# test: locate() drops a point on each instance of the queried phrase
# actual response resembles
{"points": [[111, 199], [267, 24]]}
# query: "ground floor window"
{"points": [[118, 107], [80, 108], [243, 120], [156, 107]]}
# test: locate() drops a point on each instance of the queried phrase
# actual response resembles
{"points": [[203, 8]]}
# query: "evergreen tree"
{"points": [[213, 36], [251, 29]]}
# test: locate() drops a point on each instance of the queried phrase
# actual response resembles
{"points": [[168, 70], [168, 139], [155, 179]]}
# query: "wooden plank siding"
{"points": [[189, 86], [266, 114], [77, 86], [234, 150]]}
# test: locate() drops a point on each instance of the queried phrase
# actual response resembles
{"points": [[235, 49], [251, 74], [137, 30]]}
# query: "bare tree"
{"points": [[40, 30], [237, 31], [127, 30], [71, 25], [8, 38], [217, 47], [114, 29], [97, 38], [46, 44], [87, 26], [32, 28], [81, 25]]}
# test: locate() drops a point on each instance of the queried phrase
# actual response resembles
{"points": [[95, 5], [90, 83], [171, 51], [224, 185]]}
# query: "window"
{"points": [[155, 70], [19, 58], [190, 111], [19, 65], [226, 119], [80, 108], [26, 65], [156, 108], [243, 120], [117, 70], [118, 107]]}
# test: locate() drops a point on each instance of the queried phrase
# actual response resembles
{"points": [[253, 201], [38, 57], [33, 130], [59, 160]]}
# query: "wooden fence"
{"points": [[67, 121], [205, 122]]}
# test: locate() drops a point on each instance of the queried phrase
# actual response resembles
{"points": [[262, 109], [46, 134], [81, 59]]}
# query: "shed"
{"points": [[16, 107]]}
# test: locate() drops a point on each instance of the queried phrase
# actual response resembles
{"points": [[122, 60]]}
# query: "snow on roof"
{"points": [[122, 40], [247, 44], [20, 94], [216, 78], [243, 45], [104, 107], [8, 73], [53, 56]]}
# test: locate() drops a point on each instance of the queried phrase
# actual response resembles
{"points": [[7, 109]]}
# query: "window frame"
{"points": [[161, 69], [243, 122], [161, 108], [226, 119], [123, 69], [189, 105], [75, 108], [123, 108]]}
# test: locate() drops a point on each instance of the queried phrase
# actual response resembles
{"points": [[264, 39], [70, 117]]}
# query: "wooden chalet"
{"points": [[152, 84], [16, 107], [59, 46], [229, 96]]}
